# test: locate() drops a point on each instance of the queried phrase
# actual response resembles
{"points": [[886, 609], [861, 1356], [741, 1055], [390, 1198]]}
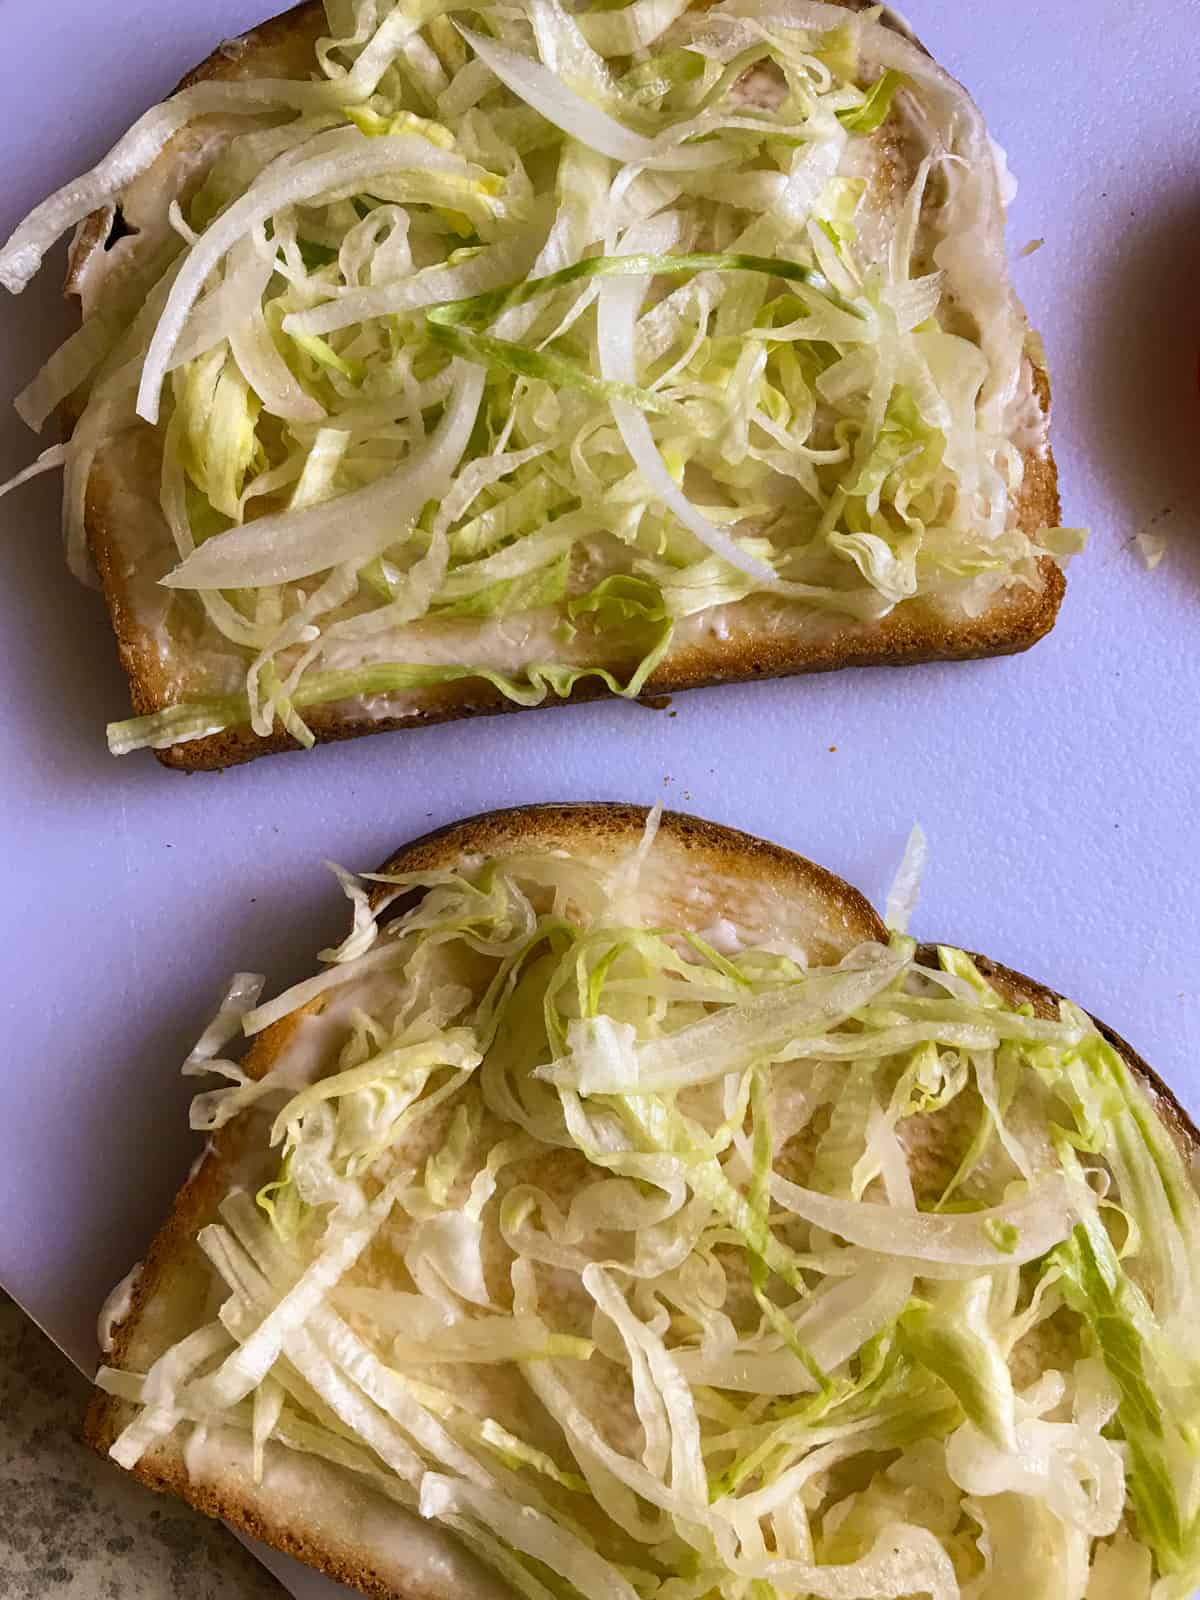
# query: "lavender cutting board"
{"points": [[1058, 789]]}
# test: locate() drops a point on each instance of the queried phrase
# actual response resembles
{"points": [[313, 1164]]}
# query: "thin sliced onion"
{"points": [[906, 888]]}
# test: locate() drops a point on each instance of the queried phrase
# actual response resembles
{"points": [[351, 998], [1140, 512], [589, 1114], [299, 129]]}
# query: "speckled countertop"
{"points": [[74, 1527]]}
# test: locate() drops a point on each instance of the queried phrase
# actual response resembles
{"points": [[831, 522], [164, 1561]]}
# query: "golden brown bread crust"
{"points": [[609, 825], [712, 851], [1014, 986], [915, 632]]}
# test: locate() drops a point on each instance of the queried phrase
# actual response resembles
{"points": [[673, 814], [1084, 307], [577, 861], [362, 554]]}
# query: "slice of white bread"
{"points": [[698, 876], [169, 656]]}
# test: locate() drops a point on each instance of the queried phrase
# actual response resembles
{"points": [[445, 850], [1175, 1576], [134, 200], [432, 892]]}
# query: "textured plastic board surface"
{"points": [[1058, 788]]}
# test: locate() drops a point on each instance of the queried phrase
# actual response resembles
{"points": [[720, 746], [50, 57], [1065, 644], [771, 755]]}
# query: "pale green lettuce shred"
{"points": [[659, 1270]]}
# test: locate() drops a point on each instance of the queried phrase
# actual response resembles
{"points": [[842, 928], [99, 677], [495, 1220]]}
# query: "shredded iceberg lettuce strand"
{"points": [[511, 302], [661, 1272]]}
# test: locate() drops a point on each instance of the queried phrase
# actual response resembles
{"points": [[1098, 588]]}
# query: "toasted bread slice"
{"points": [[170, 656], [698, 876], [702, 873]]}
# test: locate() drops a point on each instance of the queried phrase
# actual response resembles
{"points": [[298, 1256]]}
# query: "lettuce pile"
{"points": [[518, 339], [662, 1270]]}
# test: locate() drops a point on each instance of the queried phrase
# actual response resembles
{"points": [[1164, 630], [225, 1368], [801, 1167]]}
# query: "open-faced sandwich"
{"points": [[442, 358], [623, 1214]]}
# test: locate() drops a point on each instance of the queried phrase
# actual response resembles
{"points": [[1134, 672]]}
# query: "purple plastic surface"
{"points": [[1058, 789]]}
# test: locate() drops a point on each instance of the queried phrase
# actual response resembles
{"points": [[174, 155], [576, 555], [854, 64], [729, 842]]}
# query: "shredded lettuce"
{"points": [[950, 1335], [656, 1269], [595, 277], [876, 106]]}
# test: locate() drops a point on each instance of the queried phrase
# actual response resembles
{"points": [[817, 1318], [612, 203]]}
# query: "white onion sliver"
{"points": [[269, 375], [906, 886]]}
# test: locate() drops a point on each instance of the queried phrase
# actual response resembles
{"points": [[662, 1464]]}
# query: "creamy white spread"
{"points": [[340, 1514], [724, 937], [1025, 422], [116, 1308], [1005, 177]]}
